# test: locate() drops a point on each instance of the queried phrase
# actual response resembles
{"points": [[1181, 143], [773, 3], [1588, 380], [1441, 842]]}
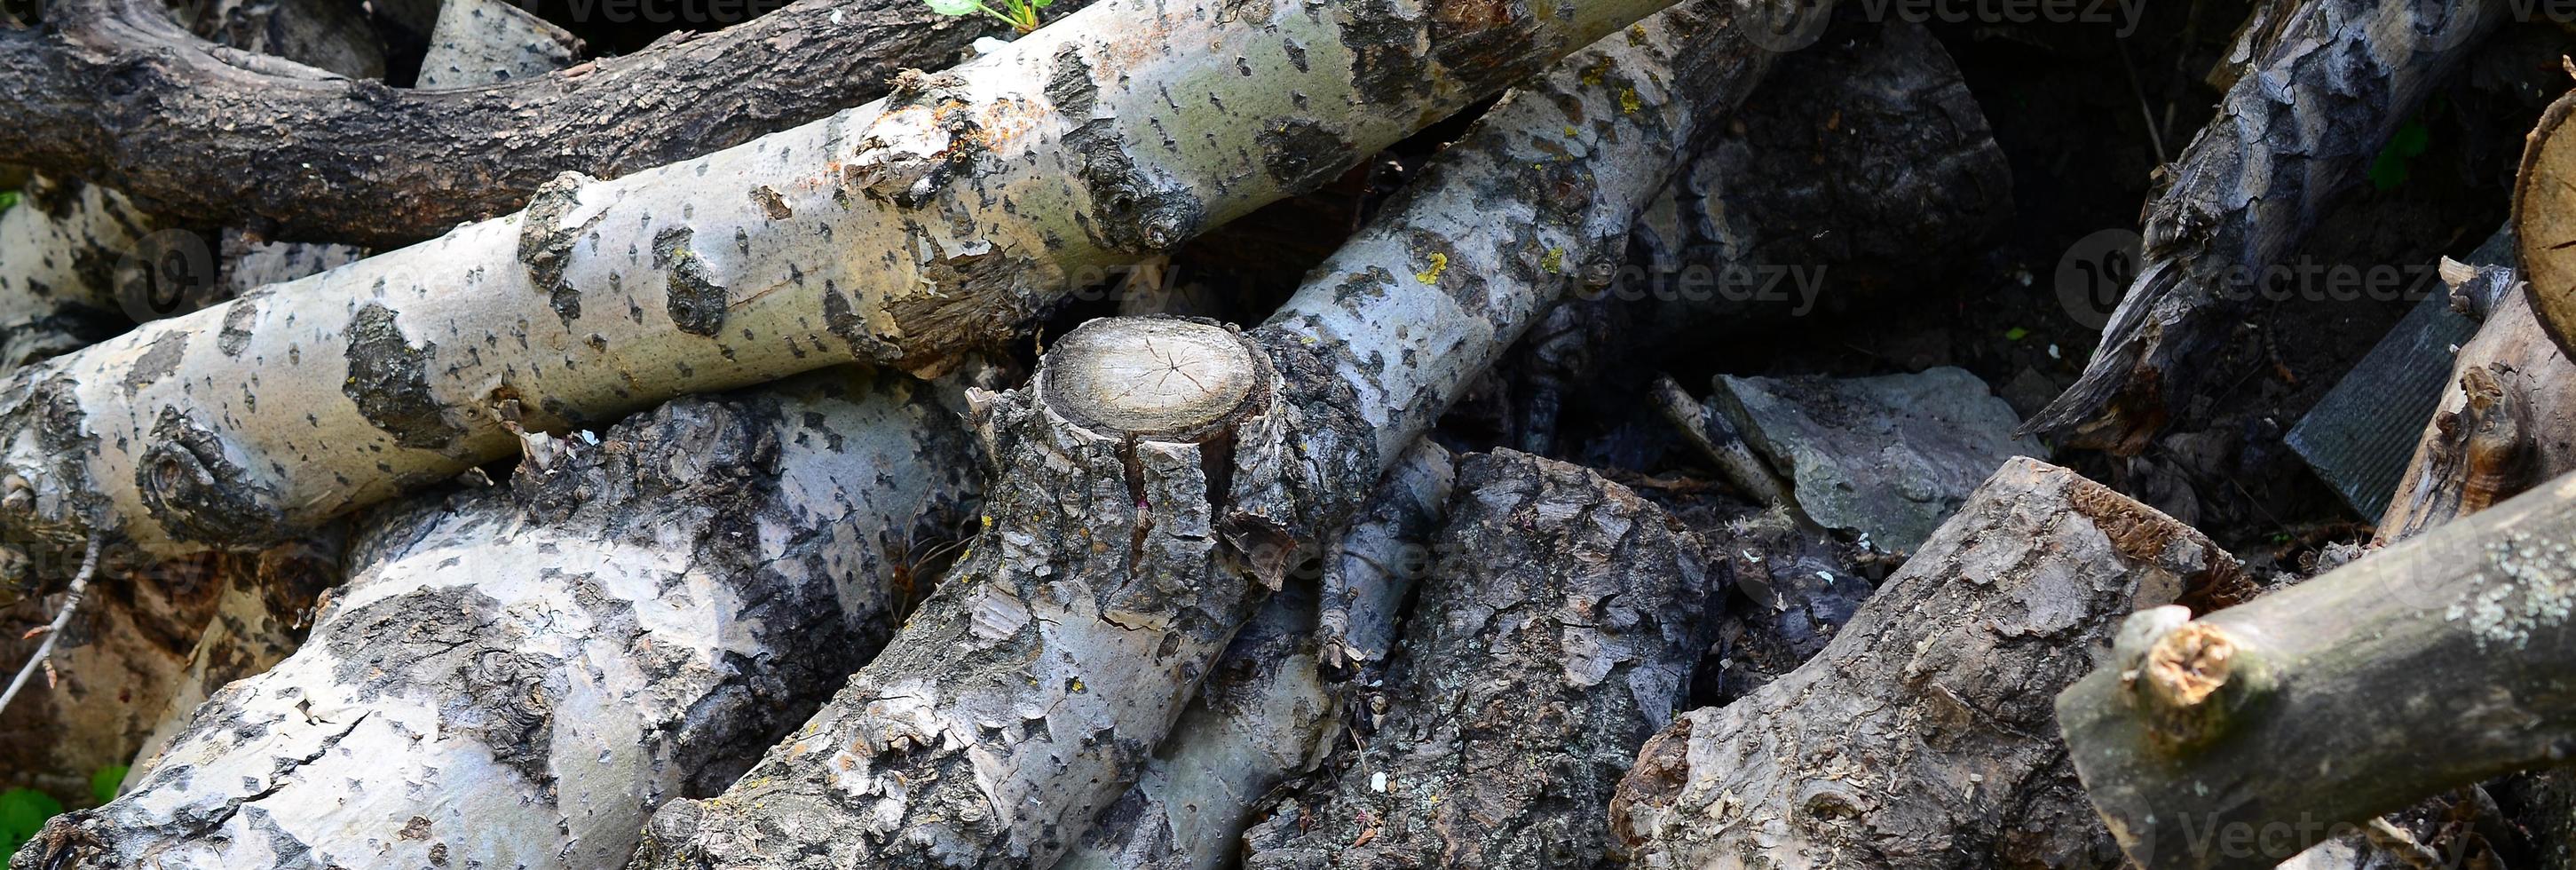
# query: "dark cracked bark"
{"points": [[517, 677], [2296, 131], [1556, 632], [113, 91], [1922, 737]]}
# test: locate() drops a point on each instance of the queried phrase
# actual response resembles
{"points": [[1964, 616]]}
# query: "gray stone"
{"points": [[1890, 456]]}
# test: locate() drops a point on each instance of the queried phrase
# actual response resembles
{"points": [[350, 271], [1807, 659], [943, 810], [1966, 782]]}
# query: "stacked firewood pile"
{"points": [[791, 446]]}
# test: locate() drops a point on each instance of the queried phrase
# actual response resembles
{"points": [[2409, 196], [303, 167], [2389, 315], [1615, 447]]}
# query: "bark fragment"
{"points": [[1555, 634], [515, 678], [1920, 737]]}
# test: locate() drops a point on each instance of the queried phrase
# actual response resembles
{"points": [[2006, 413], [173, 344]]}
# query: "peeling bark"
{"points": [[2451, 645], [904, 232], [515, 678], [1921, 736], [2504, 424], [2298, 129], [1556, 633]]}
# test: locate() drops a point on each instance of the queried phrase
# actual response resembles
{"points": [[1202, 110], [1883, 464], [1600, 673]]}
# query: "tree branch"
{"points": [[116, 93], [2240, 738], [2287, 140]]}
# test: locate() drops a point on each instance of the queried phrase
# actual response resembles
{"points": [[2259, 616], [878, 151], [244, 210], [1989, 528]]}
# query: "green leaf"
{"points": [[952, 7], [2389, 170], [2016, 334], [23, 811], [102, 785], [8, 198]]}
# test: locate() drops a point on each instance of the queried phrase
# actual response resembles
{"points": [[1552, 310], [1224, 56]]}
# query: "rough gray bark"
{"points": [[515, 678], [2300, 128], [207, 136], [1078, 650], [1921, 736], [905, 232], [2451, 645], [1555, 634]]}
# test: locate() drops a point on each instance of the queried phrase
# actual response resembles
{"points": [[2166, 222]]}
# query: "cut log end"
{"points": [[1152, 376]]}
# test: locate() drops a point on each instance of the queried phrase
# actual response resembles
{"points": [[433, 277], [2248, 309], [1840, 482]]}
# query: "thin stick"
{"points": [[71, 602]]}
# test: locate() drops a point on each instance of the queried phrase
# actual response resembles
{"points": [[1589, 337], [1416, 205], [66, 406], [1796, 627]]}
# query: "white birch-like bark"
{"points": [[516, 677], [60, 247], [939, 219], [480, 42], [1122, 547]]}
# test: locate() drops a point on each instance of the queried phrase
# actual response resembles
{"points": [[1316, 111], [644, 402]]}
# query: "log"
{"points": [[213, 138], [906, 232], [1149, 483], [1125, 546], [516, 677], [1555, 634], [2300, 128], [1920, 737], [139, 677], [2244, 736], [85, 261]]}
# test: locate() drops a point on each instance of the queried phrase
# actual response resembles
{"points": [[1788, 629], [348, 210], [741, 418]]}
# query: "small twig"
{"points": [[2155, 135], [54, 630]]}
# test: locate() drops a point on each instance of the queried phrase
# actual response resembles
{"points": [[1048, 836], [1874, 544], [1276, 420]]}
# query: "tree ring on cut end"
{"points": [[1151, 376]]}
